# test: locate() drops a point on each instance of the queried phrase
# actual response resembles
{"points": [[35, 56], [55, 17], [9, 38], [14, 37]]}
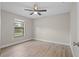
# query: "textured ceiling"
{"points": [[53, 8]]}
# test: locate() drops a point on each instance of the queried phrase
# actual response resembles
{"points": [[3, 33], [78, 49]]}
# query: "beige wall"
{"points": [[53, 28], [7, 26]]}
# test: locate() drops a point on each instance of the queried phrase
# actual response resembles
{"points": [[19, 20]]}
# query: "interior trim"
{"points": [[53, 42], [15, 43]]}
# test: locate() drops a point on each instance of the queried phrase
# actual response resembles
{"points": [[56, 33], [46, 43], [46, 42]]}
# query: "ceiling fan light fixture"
{"points": [[35, 12]]}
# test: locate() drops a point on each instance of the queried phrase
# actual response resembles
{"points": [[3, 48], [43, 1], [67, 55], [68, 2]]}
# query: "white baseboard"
{"points": [[14, 43], [53, 42], [35, 39]]}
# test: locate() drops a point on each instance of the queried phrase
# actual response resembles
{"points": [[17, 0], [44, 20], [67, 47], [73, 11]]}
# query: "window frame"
{"points": [[23, 27]]}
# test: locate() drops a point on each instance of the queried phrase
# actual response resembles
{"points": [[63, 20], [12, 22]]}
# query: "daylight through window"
{"points": [[19, 28]]}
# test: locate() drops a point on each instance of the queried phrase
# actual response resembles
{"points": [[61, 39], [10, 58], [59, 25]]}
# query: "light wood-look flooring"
{"points": [[35, 48]]}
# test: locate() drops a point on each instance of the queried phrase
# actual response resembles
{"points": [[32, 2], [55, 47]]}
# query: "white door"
{"points": [[76, 48], [75, 28]]}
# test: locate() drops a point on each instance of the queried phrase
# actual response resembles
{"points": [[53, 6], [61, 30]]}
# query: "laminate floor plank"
{"points": [[36, 48]]}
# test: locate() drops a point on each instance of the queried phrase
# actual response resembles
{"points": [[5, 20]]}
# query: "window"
{"points": [[18, 28]]}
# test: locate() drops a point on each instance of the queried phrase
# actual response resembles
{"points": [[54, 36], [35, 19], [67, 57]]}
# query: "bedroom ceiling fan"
{"points": [[35, 10]]}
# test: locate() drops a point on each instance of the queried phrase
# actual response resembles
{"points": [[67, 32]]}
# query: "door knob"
{"points": [[76, 44]]}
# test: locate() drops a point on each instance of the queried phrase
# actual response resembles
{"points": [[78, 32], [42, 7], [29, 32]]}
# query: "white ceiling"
{"points": [[53, 8]]}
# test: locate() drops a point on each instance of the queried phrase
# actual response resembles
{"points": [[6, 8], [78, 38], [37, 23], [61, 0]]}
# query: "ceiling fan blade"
{"points": [[41, 10], [28, 10], [31, 13], [39, 13]]}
